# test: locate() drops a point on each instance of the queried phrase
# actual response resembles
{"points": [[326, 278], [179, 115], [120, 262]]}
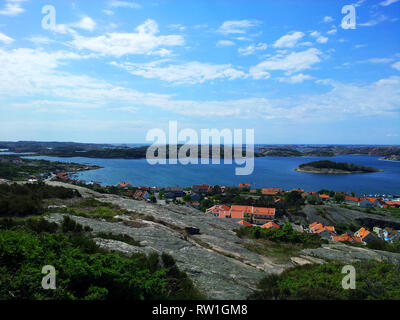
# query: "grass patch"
{"points": [[119, 237]]}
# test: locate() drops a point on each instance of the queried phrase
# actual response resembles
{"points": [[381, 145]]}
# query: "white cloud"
{"points": [[12, 8], [387, 2], [5, 39], [322, 39], [86, 23], [187, 73], [123, 4], [144, 41], [332, 31], [252, 49], [237, 27], [177, 26], [297, 78], [225, 43], [29, 73], [373, 22], [396, 65], [293, 62], [108, 12], [328, 19], [289, 40]]}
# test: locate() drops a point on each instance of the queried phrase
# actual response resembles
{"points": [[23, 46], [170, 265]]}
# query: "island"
{"points": [[393, 157], [331, 167]]}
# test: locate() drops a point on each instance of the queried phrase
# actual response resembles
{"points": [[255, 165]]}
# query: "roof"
{"points": [[346, 237], [245, 223], [217, 209], [237, 212], [139, 194], [244, 185], [124, 184], [263, 211], [271, 191], [169, 189], [319, 227], [201, 186], [362, 233], [392, 203], [270, 225], [355, 199], [324, 196]]}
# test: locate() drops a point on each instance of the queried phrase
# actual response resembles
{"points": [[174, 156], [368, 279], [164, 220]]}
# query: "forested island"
{"points": [[331, 167]]}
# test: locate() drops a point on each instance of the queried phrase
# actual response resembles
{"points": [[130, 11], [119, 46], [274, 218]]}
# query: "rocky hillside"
{"points": [[219, 262]]}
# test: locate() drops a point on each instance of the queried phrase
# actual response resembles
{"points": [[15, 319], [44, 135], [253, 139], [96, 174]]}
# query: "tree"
{"points": [[339, 197]]}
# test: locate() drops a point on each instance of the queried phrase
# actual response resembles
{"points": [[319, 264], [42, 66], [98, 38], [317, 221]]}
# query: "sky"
{"points": [[109, 71]]}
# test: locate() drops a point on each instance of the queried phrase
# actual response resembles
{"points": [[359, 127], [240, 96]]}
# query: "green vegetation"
{"points": [[374, 280], [92, 208], [340, 166], [84, 271], [27, 200], [119, 237], [384, 246], [13, 167], [286, 234]]}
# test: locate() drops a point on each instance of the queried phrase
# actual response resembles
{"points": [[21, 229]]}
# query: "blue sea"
{"points": [[268, 172]]}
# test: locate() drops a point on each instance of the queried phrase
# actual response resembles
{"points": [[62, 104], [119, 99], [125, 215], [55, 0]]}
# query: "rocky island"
{"points": [[330, 167]]}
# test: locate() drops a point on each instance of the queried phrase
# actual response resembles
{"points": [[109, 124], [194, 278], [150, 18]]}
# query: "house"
{"points": [[324, 197], [346, 237], [391, 235], [194, 197], [245, 223], [253, 191], [271, 191], [219, 210], [173, 192], [63, 176], [326, 232], [144, 188], [262, 215], [395, 204], [365, 235], [244, 185], [379, 232], [270, 225], [365, 203], [201, 189], [141, 195], [351, 200], [124, 185]]}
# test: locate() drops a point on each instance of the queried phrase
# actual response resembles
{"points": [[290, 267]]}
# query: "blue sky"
{"points": [[112, 70]]}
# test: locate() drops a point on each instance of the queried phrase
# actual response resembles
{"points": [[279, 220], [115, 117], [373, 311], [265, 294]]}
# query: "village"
{"points": [[252, 213]]}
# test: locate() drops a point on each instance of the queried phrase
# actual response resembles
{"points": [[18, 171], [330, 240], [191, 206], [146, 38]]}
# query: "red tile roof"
{"points": [[241, 185], [270, 225], [324, 196], [124, 184], [245, 223], [346, 237], [271, 191], [355, 199]]}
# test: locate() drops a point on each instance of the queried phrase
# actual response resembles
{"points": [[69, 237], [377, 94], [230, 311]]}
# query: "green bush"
{"points": [[83, 274], [374, 280]]}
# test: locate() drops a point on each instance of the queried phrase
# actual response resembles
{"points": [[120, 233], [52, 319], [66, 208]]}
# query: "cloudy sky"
{"points": [[109, 71]]}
